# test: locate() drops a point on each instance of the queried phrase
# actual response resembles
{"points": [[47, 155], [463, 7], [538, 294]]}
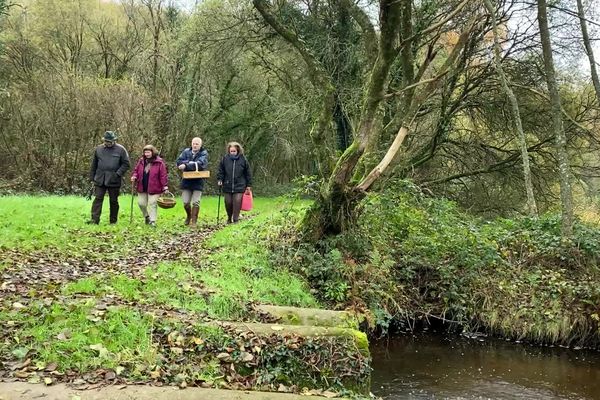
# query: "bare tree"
{"points": [[588, 47], [514, 108], [566, 195]]}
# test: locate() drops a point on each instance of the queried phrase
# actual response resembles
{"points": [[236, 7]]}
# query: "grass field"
{"points": [[76, 297]]}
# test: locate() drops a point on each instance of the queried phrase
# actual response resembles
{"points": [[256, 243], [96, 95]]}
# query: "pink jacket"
{"points": [[157, 179]]}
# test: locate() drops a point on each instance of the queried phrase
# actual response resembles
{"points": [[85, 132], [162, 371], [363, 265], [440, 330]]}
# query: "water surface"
{"points": [[431, 366]]}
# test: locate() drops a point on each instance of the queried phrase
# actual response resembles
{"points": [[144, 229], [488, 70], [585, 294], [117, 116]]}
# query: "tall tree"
{"points": [[398, 36], [566, 195], [514, 108], [588, 47]]}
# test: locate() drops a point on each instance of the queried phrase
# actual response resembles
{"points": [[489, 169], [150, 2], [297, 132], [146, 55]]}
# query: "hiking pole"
{"points": [[131, 209], [219, 204]]}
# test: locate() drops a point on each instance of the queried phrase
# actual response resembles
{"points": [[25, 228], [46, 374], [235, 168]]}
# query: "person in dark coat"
{"points": [[151, 180], [235, 178], [109, 163], [194, 158]]}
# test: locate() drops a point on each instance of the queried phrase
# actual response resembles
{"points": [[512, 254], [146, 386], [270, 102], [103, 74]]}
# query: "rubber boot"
{"points": [[188, 213], [194, 219]]}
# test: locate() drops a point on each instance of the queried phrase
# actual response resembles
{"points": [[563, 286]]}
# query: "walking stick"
{"points": [[131, 209], [219, 205]]}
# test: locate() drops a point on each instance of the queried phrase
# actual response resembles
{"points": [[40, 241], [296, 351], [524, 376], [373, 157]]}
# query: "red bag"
{"points": [[247, 201]]}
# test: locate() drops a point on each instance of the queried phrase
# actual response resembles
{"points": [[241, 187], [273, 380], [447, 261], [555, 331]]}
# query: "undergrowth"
{"points": [[414, 258]]}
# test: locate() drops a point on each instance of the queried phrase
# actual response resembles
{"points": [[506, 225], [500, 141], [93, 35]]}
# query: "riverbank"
{"points": [[412, 260], [127, 304]]}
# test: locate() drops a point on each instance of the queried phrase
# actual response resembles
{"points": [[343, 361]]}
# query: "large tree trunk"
{"points": [[335, 209], [514, 108], [557, 123], [337, 206], [588, 48]]}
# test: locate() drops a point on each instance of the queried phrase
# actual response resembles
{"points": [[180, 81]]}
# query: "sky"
{"points": [[583, 63]]}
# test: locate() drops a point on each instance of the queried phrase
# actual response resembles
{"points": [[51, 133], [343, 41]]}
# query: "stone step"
{"points": [[360, 338], [311, 316], [350, 347], [28, 391]]}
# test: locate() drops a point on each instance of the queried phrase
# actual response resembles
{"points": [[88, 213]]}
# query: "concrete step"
{"points": [[360, 338], [28, 391], [311, 316]]}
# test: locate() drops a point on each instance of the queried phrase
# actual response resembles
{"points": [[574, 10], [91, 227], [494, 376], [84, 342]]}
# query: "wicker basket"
{"points": [[166, 200]]}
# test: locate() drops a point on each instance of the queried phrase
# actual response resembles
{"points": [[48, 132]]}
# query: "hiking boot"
{"points": [[188, 213], [194, 216]]}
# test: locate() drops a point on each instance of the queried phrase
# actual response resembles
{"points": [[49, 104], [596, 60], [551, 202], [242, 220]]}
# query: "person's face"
{"points": [[233, 151], [148, 153], [196, 144], [109, 143]]}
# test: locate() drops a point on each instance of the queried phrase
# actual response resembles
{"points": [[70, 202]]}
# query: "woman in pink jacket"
{"points": [[150, 173]]}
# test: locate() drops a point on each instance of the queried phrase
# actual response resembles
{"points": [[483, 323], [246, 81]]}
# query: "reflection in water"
{"points": [[431, 366]]}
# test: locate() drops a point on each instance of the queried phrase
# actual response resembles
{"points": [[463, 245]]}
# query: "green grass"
{"points": [[78, 336], [58, 222], [241, 268], [64, 326]]}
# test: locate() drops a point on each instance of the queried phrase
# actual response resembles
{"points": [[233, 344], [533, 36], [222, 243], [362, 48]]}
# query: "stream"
{"points": [[437, 366]]}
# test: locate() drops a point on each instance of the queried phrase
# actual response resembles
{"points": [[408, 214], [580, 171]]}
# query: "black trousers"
{"points": [[113, 196], [233, 204]]}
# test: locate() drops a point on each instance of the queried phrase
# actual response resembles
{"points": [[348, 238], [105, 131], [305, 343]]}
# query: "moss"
{"points": [[362, 342], [352, 321], [292, 319]]}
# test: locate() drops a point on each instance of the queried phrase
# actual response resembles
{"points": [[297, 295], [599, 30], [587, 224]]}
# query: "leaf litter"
{"points": [[184, 356]]}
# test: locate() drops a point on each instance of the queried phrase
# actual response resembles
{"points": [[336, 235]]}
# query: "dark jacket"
{"points": [[235, 174], [190, 160], [157, 176], [109, 164]]}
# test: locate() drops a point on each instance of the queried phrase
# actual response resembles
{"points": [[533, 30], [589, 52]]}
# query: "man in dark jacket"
{"points": [[109, 164], [194, 158]]}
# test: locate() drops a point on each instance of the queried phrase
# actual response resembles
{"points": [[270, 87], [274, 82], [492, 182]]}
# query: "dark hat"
{"points": [[110, 136]]}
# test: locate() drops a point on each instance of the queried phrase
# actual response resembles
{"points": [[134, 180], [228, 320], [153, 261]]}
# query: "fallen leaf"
{"points": [[51, 367], [102, 351], [64, 335], [155, 374], [48, 381], [197, 341]]}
